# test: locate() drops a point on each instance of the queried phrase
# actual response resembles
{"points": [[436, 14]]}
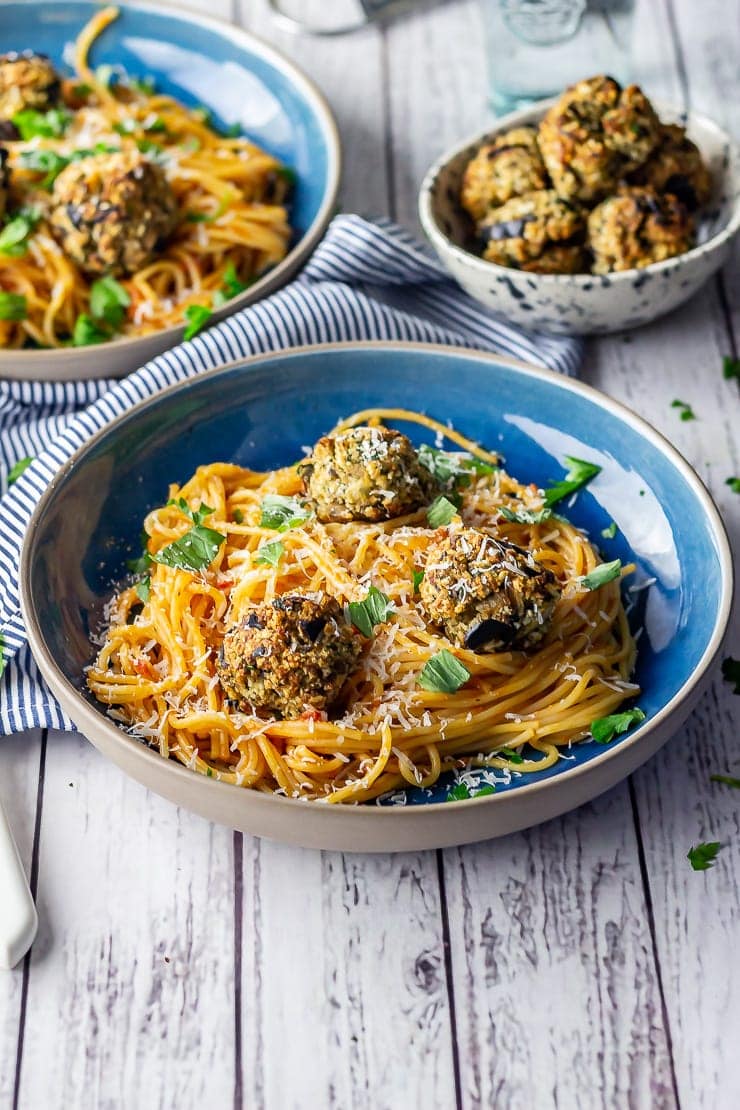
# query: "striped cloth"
{"points": [[366, 280]]}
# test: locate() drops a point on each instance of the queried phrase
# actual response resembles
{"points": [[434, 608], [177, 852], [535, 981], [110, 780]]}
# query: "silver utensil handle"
{"points": [[18, 917]]}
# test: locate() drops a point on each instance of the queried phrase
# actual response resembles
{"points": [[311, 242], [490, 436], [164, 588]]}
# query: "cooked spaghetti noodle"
{"points": [[232, 223], [157, 668]]}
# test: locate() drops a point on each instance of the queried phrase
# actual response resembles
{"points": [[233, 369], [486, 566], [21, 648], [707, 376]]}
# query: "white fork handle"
{"points": [[18, 918]]}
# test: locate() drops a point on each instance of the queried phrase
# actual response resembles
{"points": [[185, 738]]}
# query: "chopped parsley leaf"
{"points": [[14, 236], [145, 85], [375, 609], [730, 367], [702, 856], [450, 468], [18, 468], [81, 90], [196, 515], [231, 286], [460, 791], [599, 576], [441, 511], [87, 332], [726, 780], [487, 788], [46, 162], [443, 673], [238, 516], [202, 114], [282, 513], [731, 672], [195, 551], [197, 316], [604, 729], [287, 174], [146, 146], [610, 532], [109, 301], [232, 131], [269, 554], [579, 474], [734, 484], [12, 306], [418, 578], [144, 588], [47, 125], [510, 754], [525, 516], [685, 410]]}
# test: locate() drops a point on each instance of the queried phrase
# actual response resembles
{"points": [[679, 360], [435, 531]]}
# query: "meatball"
{"points": [[538, 232], [502, 169], [289, 656], [368, 474], [487, 595], [27, 80], [676, 166], [595, 133], [637, 227], [112, 212]]}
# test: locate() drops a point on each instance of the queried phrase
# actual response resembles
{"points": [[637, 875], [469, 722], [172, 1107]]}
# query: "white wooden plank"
{"points": [[131, 990], [343, 969], [19, 776], [556, 996]]}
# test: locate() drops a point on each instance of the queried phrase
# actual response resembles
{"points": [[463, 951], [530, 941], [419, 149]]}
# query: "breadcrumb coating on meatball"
{"points": [[538, 232], [27, 80], [676, 166], [112, 212], [507, 167], [594, 134], [368, 474], [637, 227], [291, 655], [485, 594]]}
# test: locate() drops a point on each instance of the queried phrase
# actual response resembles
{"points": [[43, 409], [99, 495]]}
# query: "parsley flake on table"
{"points": [[610, 531], [734, 484], [685, 410], [441, 511], [731, 672], [374, 609], [730, 367], [18, 468], [282, 513], [197, 316], [443, 673], [579, 474], [703, 856], [726, 780], [109, 301], [526, 516], [604, 729], [599, 576], [12, 306], [269, 554]]}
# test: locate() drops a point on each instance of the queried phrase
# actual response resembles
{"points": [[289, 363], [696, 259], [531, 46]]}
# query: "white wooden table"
{"points": [[580, 964]]}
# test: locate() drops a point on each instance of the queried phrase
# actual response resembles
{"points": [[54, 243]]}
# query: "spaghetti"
{"points": [[231, 223], [157, 669]]}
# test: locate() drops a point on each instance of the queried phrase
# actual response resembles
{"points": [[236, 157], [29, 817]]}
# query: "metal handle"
{"points": [[18, 917]]}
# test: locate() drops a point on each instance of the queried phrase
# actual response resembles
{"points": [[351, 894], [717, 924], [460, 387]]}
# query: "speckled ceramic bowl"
{"points": [[583, 304]]}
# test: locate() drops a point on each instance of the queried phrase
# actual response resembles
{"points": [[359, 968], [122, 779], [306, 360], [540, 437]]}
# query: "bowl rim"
{"points": [[87, 716], [446, 246], [274, 278]]}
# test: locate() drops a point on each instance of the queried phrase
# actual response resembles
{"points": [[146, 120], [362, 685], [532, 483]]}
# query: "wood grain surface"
{"points": [[581, 964]]}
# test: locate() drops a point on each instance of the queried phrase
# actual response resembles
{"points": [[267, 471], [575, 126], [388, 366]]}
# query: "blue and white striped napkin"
{"points": [[366, 280]]}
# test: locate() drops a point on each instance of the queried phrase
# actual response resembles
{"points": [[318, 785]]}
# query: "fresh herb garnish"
{"points": [[525, 516], [82, 90], [232, 131], [282, 513], [375, 609], [196, 550], [18, 468], [449, 468], [730, 367], [90, 152], [106, 75], [443, 673], [702, 856], [146, 85], [87, 332], [231, 286], [46, 162], [734, 484], [109, 301], [14, 236], [12, 306], [418, 576], [510, 754], [147, 146], [269, 554], [47, 125], [579, 474], [726, 780], [441, 511], [202, 114], [238, 516], [460, 791], [287, 174], [610, 532], [604, 729], [144, 588], [197, 316], [685, 410], [599, 576], [731, 672]]}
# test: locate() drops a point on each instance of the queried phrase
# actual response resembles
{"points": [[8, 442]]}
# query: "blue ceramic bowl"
{"points": [[241, 81], [260, 414]]}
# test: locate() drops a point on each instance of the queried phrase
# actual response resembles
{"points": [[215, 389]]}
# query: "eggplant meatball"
{"points": [[487, 595], [538, 232], [112, 212], [594, 134], [502, 169], [637, 227], [27, 80], [367, 474], [289, 656], [676, 166]]}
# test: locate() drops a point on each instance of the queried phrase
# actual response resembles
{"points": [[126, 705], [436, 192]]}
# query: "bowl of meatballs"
{"points": [[594, 212]]}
